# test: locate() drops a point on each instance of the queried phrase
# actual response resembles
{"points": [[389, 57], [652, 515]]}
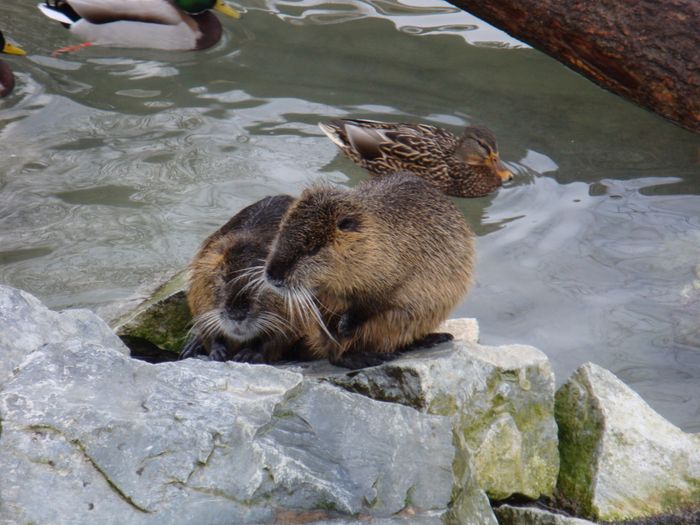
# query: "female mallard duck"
{"points": [[158, 24], [466, 166], [7, 79]]}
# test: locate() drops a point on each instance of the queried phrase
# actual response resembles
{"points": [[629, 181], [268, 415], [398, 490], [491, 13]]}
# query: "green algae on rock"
{"points": [[163, 319]]}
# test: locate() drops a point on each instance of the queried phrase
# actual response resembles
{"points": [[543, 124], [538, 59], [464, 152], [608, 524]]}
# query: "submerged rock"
{"points": [[619, 458], [500, 400]]}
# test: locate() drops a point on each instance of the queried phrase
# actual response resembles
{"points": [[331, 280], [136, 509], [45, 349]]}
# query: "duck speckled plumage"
{"points": [[156, 24], [7, 79], [461, 166]]}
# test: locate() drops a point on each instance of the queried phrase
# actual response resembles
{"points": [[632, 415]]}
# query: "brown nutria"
{"points": [[385, 263], [233, 318], [461, 166]]}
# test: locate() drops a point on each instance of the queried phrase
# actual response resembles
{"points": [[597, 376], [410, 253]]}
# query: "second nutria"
{"points": [[233, 317], [384, 263]]}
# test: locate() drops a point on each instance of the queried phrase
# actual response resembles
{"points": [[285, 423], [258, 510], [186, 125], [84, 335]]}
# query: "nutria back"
{"points": [[386, 262]]}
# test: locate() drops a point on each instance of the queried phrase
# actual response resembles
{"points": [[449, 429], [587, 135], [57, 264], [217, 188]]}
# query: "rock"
{"points": [[509, 515], [116, 440], [27, 325], [163, 319], [619, 459], [500, 399], [464, 329]]}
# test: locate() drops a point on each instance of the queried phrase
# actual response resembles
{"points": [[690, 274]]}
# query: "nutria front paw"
{"points": [[218, 351], [248, 355], [355, 361], [345, 326], [192, 348]]}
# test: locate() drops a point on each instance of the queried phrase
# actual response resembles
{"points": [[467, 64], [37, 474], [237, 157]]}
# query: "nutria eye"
{"points": [[348, 224]]}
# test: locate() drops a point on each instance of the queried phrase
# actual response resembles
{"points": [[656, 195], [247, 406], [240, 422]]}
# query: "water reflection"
{"points": [[116, 164]]}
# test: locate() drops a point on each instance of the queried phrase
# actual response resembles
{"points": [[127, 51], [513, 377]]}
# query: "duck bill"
{"points": [[13, 50], [223, 8], [503, 173]]}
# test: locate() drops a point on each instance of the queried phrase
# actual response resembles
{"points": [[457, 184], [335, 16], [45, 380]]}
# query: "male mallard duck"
{"points": [[158, 24], [7, 79], [466, 166]]}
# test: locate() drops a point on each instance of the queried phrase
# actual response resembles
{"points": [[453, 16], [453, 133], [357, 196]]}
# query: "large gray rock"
{"points": [[620, 459], [500, 399], [26, 325], [114, 440], [90, 435]]}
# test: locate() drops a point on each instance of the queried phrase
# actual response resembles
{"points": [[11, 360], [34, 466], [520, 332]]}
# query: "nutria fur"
{"points": [[233, 318], [386, 263]]}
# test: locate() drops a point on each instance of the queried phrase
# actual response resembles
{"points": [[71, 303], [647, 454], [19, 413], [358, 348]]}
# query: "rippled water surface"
{"points": [[116, 163]]}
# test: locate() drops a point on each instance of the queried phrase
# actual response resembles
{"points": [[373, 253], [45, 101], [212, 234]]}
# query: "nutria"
{"points": [[461, 166], [233, 319], [384, 263]]}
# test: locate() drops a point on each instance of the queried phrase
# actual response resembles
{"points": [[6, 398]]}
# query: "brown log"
{"points": [[647, 51]]}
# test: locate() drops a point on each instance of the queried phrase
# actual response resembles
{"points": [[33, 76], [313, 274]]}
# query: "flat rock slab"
{"points": [[619, 458], [500, 400], [510, 515]]}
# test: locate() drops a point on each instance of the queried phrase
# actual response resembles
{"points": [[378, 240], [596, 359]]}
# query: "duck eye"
{"points": [[486, 149], [348, 224]]}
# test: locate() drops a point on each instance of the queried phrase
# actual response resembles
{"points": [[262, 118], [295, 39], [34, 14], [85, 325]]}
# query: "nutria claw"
{"points": [[357, 360]]}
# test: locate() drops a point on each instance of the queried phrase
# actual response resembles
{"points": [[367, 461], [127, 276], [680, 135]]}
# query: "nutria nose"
{"points": [[275, 274], [237, 314]]}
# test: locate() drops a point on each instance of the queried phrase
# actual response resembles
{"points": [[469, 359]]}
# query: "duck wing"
{"points": [[374, 141], [106, 11]]}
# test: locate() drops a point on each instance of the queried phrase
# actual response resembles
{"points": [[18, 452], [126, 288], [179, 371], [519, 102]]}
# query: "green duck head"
{"points": [[199, 6]]}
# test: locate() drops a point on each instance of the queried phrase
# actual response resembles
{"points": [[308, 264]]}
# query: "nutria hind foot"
{"points": [[428, 341], [357, 360]]}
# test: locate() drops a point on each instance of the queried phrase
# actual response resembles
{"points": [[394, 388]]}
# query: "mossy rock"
{"points": [[620, 460], [162, 320]]}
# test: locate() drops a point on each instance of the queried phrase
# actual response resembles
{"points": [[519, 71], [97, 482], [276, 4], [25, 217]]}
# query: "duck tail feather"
{"points": [[331, 131], [61, 12]]}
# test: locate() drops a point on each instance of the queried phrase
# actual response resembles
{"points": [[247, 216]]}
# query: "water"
{"points": [[115, 164]]}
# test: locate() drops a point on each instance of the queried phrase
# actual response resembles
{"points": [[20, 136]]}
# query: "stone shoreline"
{"points": [[432, 437]]}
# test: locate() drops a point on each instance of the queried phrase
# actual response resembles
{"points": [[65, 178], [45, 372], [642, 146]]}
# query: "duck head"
{"points": [[477, 147], [198, 6]]}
